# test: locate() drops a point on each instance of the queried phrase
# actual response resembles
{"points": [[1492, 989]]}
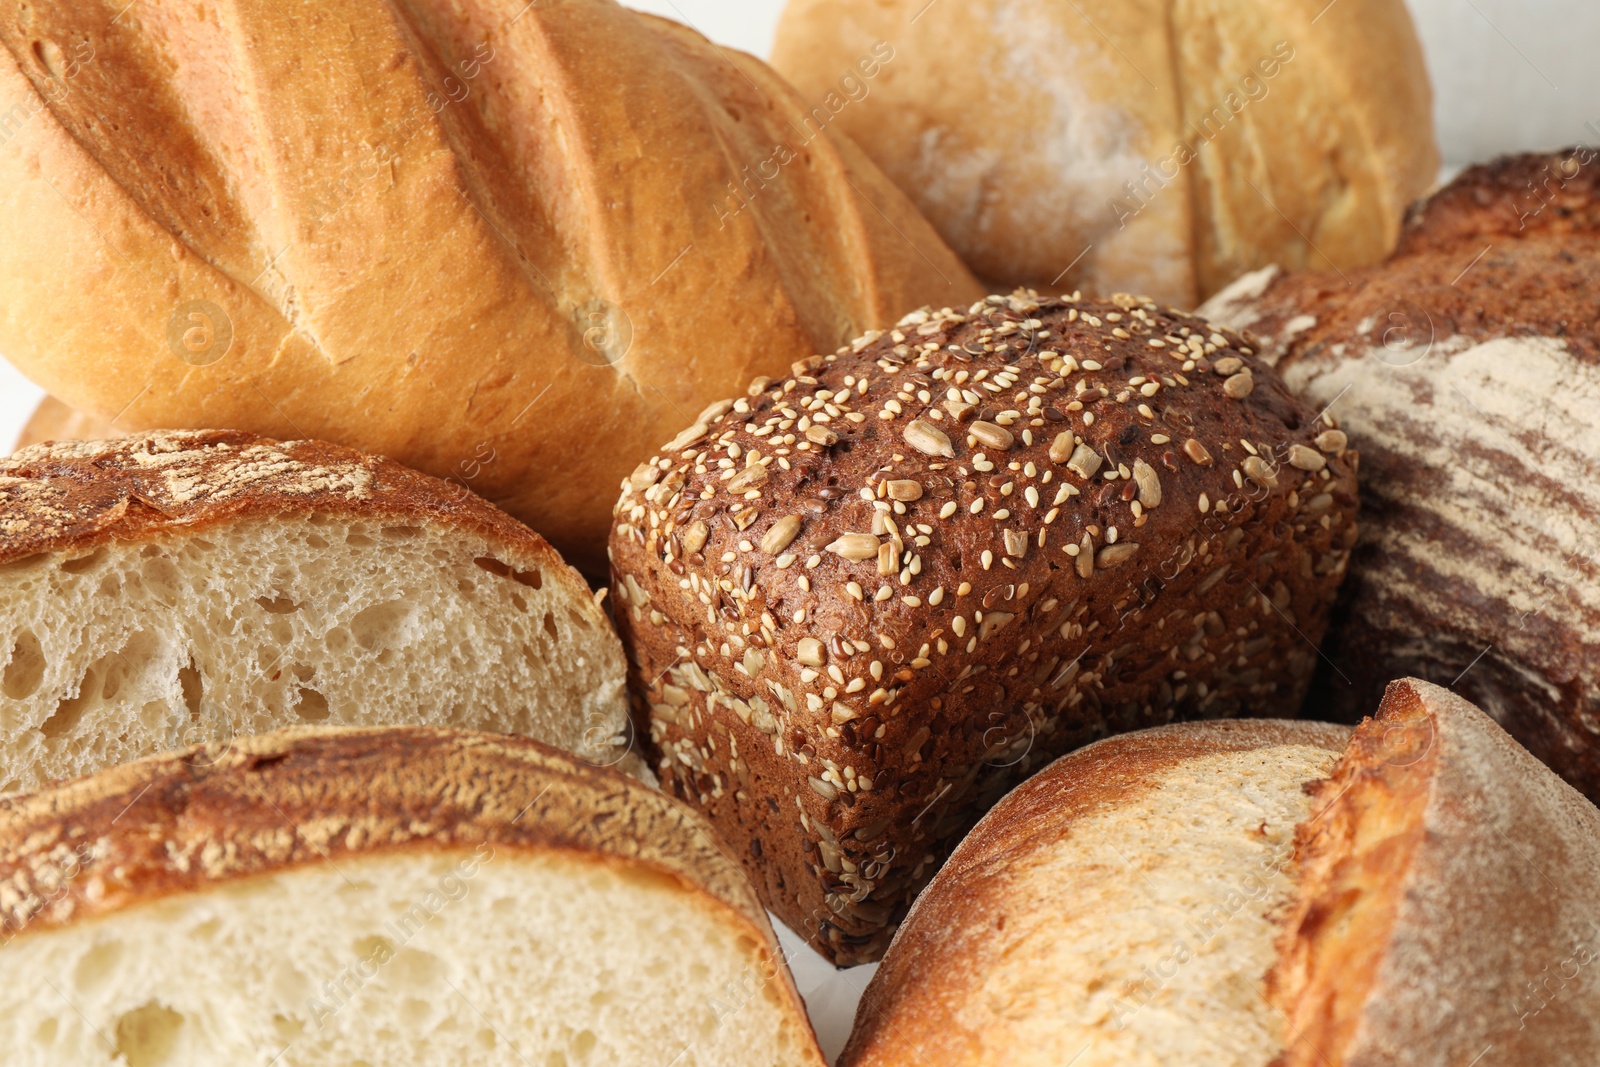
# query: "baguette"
{"points": [[508, 241], [861, 603], [408, 897], [1241, 895], [165, 589]]}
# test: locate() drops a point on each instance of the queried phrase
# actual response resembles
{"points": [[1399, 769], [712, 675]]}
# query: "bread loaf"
{"points": [[1160, 148], [54, 421], [519, 244], [319, 898], [1467, 367], [1240, 895], [862, 602], [170, 588]]}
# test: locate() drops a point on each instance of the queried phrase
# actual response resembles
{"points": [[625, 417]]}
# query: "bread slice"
{"points": [[170, 588], [1241, 895], [407, 897]]}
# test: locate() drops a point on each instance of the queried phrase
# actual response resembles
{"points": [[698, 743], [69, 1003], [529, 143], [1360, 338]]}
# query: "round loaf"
{"points": [[1159, 148], [1113, 911], [88, 868], [518, 244], [861, 603], [1467, 368]]}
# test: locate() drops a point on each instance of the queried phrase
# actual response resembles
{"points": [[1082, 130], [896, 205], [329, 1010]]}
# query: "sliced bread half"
{"points": [[165, 589], [407, 897]]}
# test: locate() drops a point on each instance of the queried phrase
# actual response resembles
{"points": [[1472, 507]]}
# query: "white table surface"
{"points": [[1509, 75]]}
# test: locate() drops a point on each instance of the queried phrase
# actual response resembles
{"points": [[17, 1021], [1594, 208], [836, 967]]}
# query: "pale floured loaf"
{"points": [[1241, 895], [166, 589], [517, 243], [408, 897], [862, 602], [1152, 146], [1467, 370]]}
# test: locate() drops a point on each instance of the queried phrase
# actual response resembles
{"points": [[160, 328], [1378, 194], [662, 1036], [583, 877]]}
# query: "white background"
{"points": [[1508, 75]]}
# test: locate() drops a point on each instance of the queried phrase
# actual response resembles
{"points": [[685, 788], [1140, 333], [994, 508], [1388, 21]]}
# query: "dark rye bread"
{"points": [[863, 602], [1468, 368]]}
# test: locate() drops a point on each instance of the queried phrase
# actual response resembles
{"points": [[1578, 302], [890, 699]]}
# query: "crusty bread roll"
{"points": [[862, 602], [1239, 895], [170, 588], [1467, 368], [54, 421], [410, 897], [515, 243], [1158, 148]]}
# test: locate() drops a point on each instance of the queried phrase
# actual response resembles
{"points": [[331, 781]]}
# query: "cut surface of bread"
{"points": [[1118, 909], [164, 590], [328, 898]]}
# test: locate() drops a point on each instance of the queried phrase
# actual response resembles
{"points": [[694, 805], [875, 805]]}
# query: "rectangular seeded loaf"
{"points": [[861, 603], [405, 897], [170, 588]]}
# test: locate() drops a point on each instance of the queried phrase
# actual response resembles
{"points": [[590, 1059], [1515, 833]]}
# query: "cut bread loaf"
{"points": [[863, 602], [508, 241], [1467, 367], [1240, 895], [166, 589], [322, 898], [1157, 146]]}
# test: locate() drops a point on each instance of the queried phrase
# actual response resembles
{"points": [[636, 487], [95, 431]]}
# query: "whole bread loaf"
{"points": [[54, 421], [1151, 146], [400, 896], [862, 602], [515, 243], [1241, 895], [1468, 368], [170, 588]]}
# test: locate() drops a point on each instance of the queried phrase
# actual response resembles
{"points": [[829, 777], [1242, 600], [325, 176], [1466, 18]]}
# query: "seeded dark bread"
{"points": [[427, 864], [168, 588], [1468, 366], [861, 603]]}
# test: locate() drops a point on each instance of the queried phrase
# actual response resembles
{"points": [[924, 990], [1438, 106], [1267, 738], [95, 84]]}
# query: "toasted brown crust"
{"points": [[54, 421], [487, 268], [73, 495], [1448, 902], [923, 979], [1469, 367], [188, 821], [846, 708]]}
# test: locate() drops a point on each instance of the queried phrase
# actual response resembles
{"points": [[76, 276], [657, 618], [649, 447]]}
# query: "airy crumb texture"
{"points": [[861, 603], [169, 589], [488, 958], [1118, 910], [1467, 369], [325, 898]]}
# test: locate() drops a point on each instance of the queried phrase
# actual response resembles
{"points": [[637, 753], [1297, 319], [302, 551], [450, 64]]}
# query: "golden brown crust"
{"points": [[74, 495], [936, 624], [187, 821], [54, 421], [1145, 145], [1467, 368], [921, 983], [519, 261], [1448, 900]]}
